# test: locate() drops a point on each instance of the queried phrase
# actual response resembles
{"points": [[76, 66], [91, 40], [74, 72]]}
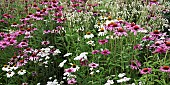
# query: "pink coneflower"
{"points": [[103, 41], [83, 62], [153, 2], [70, 70], [155, 34], [93, 65], [135, 64], [95, 51], [22, 44], [120, 32], [145, 70], [165, 69], [45, 42], [14, 24], [21, 63], [33, 57], [160, 50], [135, 29], [147, 38], [138, 46], [105, 52], [71, 81]]}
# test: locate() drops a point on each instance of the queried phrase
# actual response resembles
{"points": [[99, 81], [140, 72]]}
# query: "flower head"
{"points": [[165, 69], [145, 70]]}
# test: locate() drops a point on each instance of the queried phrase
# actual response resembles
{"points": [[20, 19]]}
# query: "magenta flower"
{"points": [[71, 81], [21, 63], [120, 32], [45, 42], [146, 70], [165, 69], [136, 29], [70, 70], [95, 51], [93, 65], [155, 34], [147, 38], [33, 57], [103, 41], [138, 46], [83, 62], [160, 50], [105, 52], [22, 44], [135, 64]]}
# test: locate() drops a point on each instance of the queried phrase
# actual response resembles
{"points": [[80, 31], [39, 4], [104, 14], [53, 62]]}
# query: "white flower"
{"points": [[6, 68], [10, 74], [90, 42], [91, 69], [21, 72], [109, 82], [62, 63], [67, 54], [88, 35], [81, 56], [15, 67], [47, 57], [97, 71], [38, 83], [91, 73], [57, 51], [121, 75], [50, 78], [51, 46]]}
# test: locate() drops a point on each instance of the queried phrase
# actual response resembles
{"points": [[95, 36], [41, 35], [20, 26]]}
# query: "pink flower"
{"points": [[70, 70], [22, 44], [33, 57], [165, 69], [95, 51], [83, 62], [45, 42], [21, 63], [138, 46], [71, 81], [145, 70], [135, 64], [103, 41], [105, 52], [160, 50], [93, 65], [135, 29], [120, 32]]}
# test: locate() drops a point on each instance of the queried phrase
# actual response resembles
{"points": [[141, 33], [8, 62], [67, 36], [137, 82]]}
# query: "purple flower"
{"points": [[105, 52], [45, 42], [103, 41], [135, 64], [165, 69], [95, 51], [70, 70], [120, 32], [71, 81], [146, 70], [93, 65]]}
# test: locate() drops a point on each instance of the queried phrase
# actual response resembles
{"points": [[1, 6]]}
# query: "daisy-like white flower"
{"points": [[93, 65], [146, 70], [10, 74], [62, 63], [125, 79], [109, 82], [135, 64], [71, 81], [67, 54], [6, 68], [90, 42], [24, 83], [81, 56], [121, 75], [21, 72], [165, 69], [57, 51], [88, 35], [102, 32]]}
